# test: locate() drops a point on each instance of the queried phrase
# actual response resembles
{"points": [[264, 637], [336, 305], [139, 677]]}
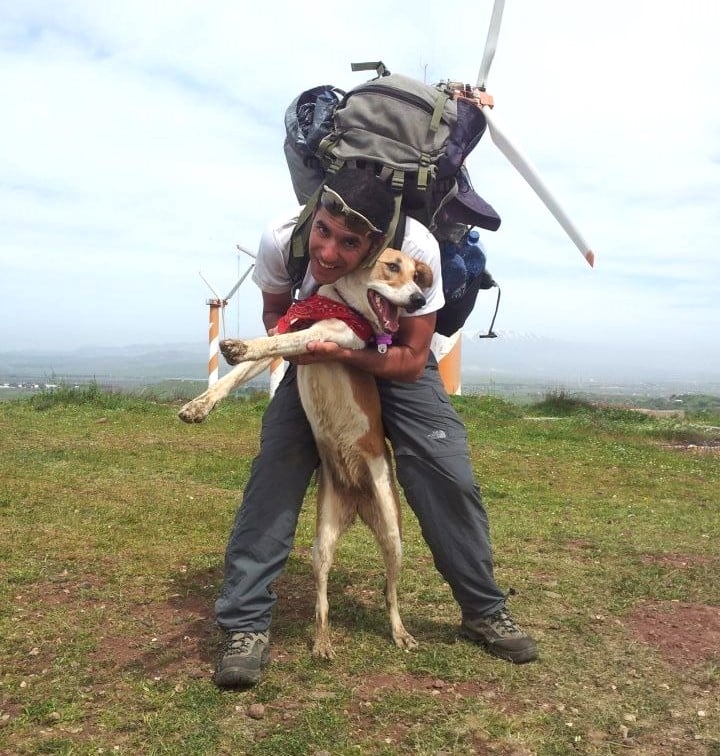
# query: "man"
{"points": [[428, 440]]}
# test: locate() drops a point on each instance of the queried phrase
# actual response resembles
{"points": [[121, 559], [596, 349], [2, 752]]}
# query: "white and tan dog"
{"points": [[343, 407]]}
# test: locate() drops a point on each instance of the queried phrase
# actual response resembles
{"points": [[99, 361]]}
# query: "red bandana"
{"points": [[308, 311]]}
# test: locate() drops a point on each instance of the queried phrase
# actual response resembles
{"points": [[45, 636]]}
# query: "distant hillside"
{"points": [[140, 361], [490, 364], [526, 355]]}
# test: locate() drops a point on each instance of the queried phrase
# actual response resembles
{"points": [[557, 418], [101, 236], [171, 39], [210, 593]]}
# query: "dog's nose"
{"points": [[416, 302]]}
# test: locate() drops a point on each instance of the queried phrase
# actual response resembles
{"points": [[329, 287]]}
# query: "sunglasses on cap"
{"points": [[356, 222]]}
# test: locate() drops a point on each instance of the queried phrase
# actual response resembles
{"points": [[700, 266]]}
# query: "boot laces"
{"points": [[504, 623], [241, 642]]}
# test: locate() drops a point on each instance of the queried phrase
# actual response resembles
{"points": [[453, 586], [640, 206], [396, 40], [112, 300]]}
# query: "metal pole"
{"points": [[214, 339]]}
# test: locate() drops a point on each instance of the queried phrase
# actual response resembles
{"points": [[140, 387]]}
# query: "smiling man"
{"points": [[428, 439]]}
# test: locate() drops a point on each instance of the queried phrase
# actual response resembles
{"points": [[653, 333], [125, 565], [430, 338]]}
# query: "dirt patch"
{"points": [[684, 634], [167, 638], [374, 686], [677, 561], [577, 544], [171, 640]]}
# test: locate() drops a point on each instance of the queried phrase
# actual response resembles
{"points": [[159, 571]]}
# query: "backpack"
{"points": [[413, 135]]}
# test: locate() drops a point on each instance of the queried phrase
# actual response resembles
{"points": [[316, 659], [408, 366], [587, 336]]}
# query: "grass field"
{"points": [[114, 517]]}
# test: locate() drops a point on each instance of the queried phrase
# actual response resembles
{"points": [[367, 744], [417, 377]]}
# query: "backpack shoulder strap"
{"points": [[399, 231], [299, 254]]}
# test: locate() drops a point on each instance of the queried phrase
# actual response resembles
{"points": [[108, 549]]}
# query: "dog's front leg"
{"points": [[196, 410], [290, 344]]}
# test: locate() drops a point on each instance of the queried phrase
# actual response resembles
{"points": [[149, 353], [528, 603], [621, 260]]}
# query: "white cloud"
{"points": [[144, 140]]}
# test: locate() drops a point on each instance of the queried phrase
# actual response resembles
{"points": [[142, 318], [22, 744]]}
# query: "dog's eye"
{"points": [[393, 267]]}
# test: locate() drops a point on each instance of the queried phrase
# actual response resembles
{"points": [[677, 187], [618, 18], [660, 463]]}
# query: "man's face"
{"points": [[334, 249]]}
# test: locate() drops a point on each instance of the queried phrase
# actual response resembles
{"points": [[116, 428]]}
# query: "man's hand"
{"points": [[321, 351], [404, 360]]}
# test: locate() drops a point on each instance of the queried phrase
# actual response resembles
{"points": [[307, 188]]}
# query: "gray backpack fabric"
{"points": [[414, 135]]}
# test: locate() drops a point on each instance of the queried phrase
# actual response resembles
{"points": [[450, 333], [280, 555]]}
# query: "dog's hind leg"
{"points": [[382, 516], [333, 518]]}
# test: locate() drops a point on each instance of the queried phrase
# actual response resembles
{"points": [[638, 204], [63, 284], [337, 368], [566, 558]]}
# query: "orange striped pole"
{"points": [[277, 370], [214, 339], [448, 353]]}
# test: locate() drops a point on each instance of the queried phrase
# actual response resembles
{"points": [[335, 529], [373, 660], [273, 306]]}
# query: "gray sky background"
{"points": [[141, 141]]}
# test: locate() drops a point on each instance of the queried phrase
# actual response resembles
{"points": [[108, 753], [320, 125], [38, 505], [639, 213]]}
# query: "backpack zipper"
{"points": [[406, 97]]}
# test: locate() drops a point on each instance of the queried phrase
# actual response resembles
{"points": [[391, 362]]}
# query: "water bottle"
{"points": [[454, 270], [473, 253]]}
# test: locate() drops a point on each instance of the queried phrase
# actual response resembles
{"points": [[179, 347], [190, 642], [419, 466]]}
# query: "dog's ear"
{"points": [[423, 275]]}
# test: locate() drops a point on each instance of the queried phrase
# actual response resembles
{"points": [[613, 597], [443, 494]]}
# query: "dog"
{"points": [[342, 405]]}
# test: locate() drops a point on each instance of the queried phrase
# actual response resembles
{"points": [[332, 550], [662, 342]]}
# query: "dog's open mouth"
{"points": [[387, 313]]}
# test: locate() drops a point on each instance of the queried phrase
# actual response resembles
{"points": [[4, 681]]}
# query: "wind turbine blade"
{"points": [[207, 283], [246, 251], [490, 43], [531, 176], [239, 283]]}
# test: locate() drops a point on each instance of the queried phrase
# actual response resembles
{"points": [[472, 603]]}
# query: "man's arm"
{"points": [[404, 360], [274, 307]]}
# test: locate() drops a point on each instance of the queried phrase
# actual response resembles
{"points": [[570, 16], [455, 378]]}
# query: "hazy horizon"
{"points": [[508, 359]]}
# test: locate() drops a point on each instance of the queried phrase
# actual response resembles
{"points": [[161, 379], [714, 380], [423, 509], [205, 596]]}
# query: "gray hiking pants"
{"points": [[433, 468]]}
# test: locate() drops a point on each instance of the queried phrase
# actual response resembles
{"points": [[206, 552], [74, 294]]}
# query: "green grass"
{"points": [[113, 522]]}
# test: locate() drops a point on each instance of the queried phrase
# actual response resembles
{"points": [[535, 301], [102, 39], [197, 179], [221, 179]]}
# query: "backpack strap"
{"points": [[399, 234], [392, 231], [373, 65], [299, 255]]}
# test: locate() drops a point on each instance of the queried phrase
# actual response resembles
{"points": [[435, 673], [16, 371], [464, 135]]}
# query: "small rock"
{"points": [[256, 711]]}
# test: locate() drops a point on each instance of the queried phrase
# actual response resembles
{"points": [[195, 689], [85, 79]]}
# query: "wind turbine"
{"points": [[447, 349], [217, 306], [511, 152]]}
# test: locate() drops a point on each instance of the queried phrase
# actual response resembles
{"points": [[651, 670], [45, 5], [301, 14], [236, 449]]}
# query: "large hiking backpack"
{"points": [[416, 137]]}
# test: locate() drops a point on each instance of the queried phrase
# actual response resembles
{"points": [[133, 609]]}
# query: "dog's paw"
{"points": [[196, 410], [323, 649], [233, 350], [404, 640]]}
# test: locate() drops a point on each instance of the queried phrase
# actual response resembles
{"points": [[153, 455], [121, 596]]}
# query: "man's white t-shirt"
{"points": [[271, 275]]}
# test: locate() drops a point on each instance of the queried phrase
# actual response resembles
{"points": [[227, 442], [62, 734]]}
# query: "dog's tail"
{"points": [[196, 410]]}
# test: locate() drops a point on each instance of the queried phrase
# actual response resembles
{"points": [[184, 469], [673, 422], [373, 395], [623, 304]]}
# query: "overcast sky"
{"points": [[140, 142]]}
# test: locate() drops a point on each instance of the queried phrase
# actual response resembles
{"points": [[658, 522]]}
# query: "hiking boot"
{"points": [[243, 658], [501, 636]]}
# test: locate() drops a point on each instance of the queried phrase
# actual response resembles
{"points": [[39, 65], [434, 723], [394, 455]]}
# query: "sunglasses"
{"points": [[356, 222]]}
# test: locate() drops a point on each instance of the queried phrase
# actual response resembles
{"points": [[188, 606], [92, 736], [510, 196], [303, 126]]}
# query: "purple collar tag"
{"points": [[383, 341]]}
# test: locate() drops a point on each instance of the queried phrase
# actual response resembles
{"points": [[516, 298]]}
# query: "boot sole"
{"points": [[517, 656]]}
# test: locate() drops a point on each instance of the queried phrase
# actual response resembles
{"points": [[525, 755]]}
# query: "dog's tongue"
{"points": [[386, 312]]}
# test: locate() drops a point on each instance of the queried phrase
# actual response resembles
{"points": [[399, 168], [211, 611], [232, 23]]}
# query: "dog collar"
{"points": [[383, 341]]}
